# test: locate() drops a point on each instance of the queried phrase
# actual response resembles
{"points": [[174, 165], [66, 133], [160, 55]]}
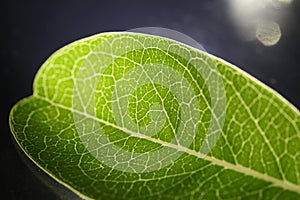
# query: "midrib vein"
{"points": [[284, 184]]}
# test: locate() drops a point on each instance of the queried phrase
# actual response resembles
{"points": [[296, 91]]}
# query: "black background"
{"points": [[32, 30]]}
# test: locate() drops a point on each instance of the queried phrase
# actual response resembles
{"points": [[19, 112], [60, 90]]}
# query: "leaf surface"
{"points": [[134, 116]]}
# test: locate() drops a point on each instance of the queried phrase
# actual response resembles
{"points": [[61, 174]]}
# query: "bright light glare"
{"points": [[252, 20], [279, 3]]}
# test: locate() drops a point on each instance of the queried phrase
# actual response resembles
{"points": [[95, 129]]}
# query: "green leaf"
{"points": [[134, 116]]}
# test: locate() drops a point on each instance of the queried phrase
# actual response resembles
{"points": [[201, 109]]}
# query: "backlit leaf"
{"points": [[134, 116]]}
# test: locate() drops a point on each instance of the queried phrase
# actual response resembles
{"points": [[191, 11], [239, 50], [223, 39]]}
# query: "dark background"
{"points": [[32, 30]]}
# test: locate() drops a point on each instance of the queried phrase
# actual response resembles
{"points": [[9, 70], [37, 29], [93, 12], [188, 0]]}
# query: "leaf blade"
{"points": [[222, 162]]}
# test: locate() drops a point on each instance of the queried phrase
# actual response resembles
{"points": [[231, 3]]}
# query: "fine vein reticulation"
{"points": [[134, 116]]}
